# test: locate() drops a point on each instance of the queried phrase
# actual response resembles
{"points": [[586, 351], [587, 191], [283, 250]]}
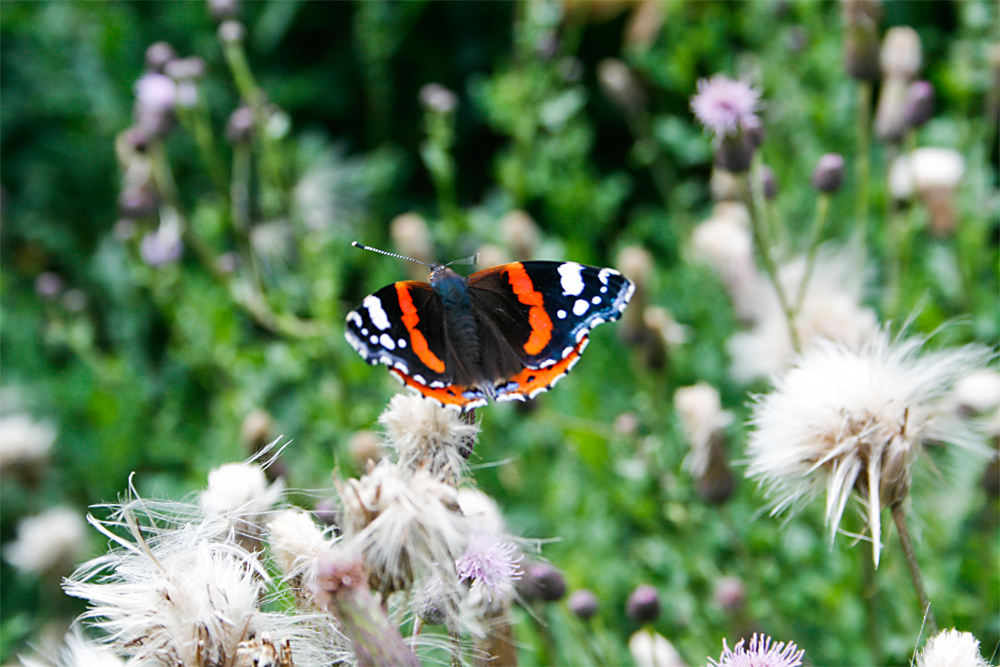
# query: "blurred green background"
{"points": [[170, 370]]}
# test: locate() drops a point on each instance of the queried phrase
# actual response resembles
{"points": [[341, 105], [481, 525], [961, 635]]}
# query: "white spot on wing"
{"points": [[561, 314], [376, 312], [596, 300], [373, 339], [580, 307], [402, 343], [355, 318], [571, 278], [387, 342]]}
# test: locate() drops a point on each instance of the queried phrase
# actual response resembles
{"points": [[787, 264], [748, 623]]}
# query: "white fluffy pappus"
{"points": [[951, 648], [239, 492], [855, 418], [24, 440], [406, 524], [702, 418], [176, 590], [76, 650], [425, 434], [830, 309], [296, 542], [48, 542]]}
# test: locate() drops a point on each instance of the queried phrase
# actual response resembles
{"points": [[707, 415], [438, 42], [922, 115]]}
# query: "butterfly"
{"points": [[504, 333]]}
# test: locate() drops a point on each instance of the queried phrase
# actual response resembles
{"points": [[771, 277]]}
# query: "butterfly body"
{"points": [[505, 333]]}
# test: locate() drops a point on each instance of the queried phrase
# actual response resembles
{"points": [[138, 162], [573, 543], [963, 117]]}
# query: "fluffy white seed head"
{"points": [[854, 418], [427, 435], [48, 542], [900, 56], [951, 648], [702, 419], [725, 243], [406, 524], [76, 651], [296, 541], [831, 309], [239, 494], [24, 440]]}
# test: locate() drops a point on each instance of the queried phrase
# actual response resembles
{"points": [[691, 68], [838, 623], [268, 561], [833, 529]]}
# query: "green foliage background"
{"points": [[159, 370]]}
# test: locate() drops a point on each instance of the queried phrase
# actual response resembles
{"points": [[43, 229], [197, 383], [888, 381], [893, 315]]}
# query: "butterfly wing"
{"points": [[403, 326], [543, 311]]}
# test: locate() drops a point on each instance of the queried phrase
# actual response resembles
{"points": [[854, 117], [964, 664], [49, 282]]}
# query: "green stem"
{"points": [[252, 95], [864, 154], [756, 189], [819, 224], [899, 516]]}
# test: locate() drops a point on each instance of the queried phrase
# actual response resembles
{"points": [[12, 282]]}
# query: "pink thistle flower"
{"points": [[725, 106], [490, 564], [759, 653]]}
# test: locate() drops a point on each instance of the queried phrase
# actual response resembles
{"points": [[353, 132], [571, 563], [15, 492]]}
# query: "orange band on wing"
{"points": [[451, 395], [541, 323], [531, 380], [417, 340]]}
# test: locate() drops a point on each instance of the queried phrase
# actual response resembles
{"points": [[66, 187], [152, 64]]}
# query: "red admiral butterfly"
{"points": [[505, 333]]}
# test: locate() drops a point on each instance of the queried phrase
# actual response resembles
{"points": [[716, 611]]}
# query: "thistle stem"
{"points": [[911, 562], [761, 239], [864, 153], [819, 224]]}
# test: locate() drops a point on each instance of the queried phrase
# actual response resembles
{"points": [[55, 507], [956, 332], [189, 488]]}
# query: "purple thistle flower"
{"points": [[158, 248], [759, 653], [726, 106], [489, 563]]}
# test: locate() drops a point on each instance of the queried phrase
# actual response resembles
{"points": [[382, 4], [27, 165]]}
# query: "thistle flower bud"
{"points": [[231, 32], [543, 582], [729, 593], [861, 43], [155, 96], [48, 285], [900, 56], [185, 68], [583, 603], [437, 98], [140, 201], [828, 176], [769, 184], [340, 587], [158, 55], [934, 174], [621, 86], [919, 106], [239, 127], [161, 247], [643, 605], [220, 10]]}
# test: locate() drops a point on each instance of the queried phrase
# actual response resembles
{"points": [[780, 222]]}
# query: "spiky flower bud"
{"points": [[828, 176], [231, 32], [951, 648], [861, 43], [759, 652], [643, 605], [583, 603], [543, 582], [919, 107], [158, 55], [437, 98]]}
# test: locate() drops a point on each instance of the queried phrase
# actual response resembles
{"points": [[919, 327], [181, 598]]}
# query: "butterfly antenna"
{"points": [[383, 252], [470, 261]]}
